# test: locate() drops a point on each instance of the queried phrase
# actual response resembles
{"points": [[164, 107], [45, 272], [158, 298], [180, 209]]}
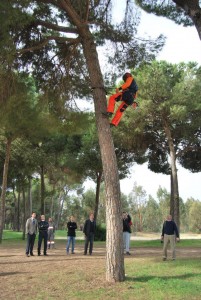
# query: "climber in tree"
{"points": [[126, 93]]}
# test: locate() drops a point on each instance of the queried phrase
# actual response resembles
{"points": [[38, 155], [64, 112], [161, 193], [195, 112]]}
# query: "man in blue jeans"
{"points": [[72, 226], [89, 231], [126, 232]]}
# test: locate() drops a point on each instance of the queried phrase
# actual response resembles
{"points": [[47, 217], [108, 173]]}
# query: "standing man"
{"points": [[43, 228], [31, 230], [51, 231], [89, 231], [71, 225], [169, 232], [126, 232]]}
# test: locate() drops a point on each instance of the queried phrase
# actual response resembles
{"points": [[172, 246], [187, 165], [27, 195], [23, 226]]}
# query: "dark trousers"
{"points": [[30, 243], [89, 240], [42, 237]]}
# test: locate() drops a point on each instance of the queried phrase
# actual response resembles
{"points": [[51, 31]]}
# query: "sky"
{"points": [[182, 45]]}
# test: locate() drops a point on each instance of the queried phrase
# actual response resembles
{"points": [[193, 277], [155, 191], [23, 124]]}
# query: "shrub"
{"points": [[100, 234]]}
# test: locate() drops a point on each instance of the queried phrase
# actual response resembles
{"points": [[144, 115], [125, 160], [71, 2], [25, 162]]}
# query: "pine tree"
{"points": [[58, 40]]}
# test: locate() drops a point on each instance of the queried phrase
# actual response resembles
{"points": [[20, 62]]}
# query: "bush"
{"points": [[100, 234]]}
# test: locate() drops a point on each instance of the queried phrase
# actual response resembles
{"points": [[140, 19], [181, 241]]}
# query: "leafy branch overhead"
{"points": [[43, 38], [182, 12]]}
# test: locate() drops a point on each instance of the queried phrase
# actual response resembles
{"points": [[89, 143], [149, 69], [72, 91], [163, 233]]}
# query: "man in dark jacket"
{"points": [[43, 229], [71, 225], [126, 232], [89, 231], [169, 232]]}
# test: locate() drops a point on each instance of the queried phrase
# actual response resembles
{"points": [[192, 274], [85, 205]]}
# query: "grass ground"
{"points": [[59, 276]]}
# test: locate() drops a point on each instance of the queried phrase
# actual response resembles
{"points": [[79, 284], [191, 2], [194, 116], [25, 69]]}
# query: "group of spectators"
{"points": [[46, 234], [46, 230]]}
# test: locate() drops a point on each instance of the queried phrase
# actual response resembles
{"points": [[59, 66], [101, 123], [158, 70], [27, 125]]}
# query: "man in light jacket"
{"points": [[31, 230]]}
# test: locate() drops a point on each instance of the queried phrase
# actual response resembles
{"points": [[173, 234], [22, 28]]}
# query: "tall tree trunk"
{"points": [[175, 192], [52, 201], [42, 191], [15, 212], [24, 212], [114, 245], [171, 195], [29, 207], [61, 204], [18, 208], [4, 187], [98, 183]]}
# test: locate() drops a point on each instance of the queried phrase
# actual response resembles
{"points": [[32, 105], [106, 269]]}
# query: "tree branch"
{"points": [[46, 41], [55, 27], [87, 11], [75, 18]]}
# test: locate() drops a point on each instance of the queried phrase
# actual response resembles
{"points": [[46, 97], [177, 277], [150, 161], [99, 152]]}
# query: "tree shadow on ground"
{"points": [[11, 273], [165, 278]]}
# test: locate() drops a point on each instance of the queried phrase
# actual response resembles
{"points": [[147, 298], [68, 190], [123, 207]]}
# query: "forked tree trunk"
{"points": [[4, 187]]}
